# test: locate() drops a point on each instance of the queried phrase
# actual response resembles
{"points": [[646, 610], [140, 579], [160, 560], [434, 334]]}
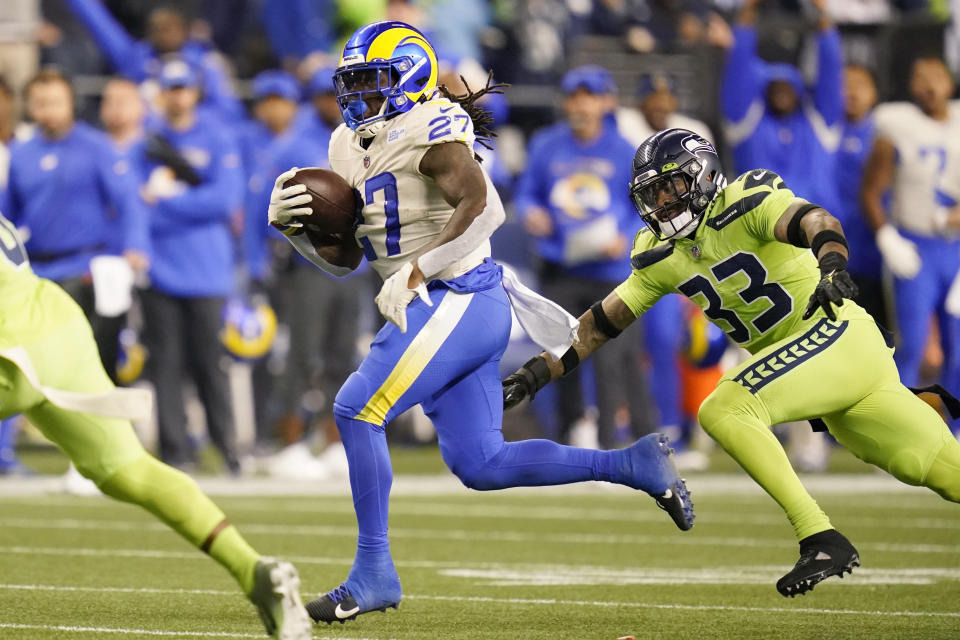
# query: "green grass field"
{"points": [[553, 564]]}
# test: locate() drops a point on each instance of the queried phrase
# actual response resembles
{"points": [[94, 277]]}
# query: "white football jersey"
{"points": [[403, 209], [927, 173]]}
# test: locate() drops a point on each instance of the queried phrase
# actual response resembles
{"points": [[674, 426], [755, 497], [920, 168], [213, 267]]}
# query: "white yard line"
{"points": [[464, 535], [460, 510], [447, 484], [152, 632], [515, 601]]}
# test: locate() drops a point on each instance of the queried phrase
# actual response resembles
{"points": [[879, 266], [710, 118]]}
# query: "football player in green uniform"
{"points": [[748, 253], [50, 371]]}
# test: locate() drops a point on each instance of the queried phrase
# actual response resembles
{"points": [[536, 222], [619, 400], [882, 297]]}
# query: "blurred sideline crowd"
{"points": [[139, 141]]}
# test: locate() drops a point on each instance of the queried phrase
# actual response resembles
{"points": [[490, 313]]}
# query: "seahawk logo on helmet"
{"points": [[676, 175], [386, 67]]}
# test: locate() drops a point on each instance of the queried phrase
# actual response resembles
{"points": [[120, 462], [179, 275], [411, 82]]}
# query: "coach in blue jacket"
{"points": [[74, 198], [194, 185], [573, 200], [771, 119]]}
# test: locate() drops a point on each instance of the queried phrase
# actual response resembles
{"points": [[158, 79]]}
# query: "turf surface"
{"points": [[520, 564]]}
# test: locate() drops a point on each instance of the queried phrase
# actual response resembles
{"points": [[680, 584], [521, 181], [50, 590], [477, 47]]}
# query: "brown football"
{"points": [[334, 202]]}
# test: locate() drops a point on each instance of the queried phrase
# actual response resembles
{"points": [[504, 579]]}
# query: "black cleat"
{"points": [[822, 555], [339, 606], [678, 505]]}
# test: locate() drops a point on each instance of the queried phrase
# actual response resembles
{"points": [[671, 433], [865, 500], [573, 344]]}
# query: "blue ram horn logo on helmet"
{"points": [[386, 67]]}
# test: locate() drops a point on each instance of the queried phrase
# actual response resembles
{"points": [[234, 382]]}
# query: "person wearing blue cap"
{"points": [[571, 200], [773, 121], [194, 185], [167, 35]]}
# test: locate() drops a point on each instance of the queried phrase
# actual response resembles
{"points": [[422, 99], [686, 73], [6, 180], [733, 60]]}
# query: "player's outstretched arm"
{"points": [[602, 322], [807, 225]]}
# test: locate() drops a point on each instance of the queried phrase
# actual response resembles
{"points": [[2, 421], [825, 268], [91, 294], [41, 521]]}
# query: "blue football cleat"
{"points": [[649, 467], [374, 587]]}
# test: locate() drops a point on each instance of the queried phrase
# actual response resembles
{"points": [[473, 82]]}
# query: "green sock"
{"points": [[175, 498], [233, 552], [732, 417]]}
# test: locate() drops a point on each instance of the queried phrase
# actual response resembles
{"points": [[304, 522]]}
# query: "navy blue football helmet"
{"points": [[676, 175]]}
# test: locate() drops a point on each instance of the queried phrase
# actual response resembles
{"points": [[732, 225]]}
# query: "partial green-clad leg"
{"points": [[827, 368]]}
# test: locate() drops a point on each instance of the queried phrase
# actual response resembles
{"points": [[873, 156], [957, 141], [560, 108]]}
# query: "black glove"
{"points": [[835, 285], [525, 382]]}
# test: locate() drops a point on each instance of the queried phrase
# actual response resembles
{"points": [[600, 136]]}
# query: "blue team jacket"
{"points": [[577, 183], [77, 197], [138, 60], [192, 245], [801, 146]]}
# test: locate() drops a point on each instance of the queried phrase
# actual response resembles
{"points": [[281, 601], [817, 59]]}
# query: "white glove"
{"points": [[287, 203], [394, 296], [899, 254]]}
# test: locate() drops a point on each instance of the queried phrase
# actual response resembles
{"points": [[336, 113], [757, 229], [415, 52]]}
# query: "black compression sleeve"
{"points": [[794, 232], [603, 322]]}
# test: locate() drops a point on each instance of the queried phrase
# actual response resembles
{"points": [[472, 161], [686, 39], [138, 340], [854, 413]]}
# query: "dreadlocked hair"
{"points": [[482, 118]]}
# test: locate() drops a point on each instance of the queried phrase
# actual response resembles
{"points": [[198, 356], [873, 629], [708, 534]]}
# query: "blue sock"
{"points": [[8, 436], [544, 462], [373, 579]]}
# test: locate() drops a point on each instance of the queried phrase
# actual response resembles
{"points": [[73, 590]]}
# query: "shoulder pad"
{"points": [[434, 122], [760, 177]]}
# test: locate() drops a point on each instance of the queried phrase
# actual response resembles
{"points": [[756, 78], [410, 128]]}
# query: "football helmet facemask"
{"points": [[676, 175]]}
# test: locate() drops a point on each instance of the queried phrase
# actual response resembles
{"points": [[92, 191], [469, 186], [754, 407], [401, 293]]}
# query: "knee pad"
{"points": [[354, 396]]}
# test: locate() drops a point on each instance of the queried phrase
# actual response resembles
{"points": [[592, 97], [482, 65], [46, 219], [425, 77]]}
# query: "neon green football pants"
{"points": [[843, 372]]}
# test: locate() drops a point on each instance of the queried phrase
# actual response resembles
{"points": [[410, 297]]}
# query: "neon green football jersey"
{"points": [[748, 283], [29, 308]]}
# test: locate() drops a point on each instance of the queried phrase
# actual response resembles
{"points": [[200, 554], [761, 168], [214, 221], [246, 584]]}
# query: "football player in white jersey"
{"points": [[917, 157], [427, 215]]}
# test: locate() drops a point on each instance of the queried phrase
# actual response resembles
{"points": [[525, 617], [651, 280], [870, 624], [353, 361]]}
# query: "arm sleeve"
{"points": [[216, 198], [480, 230], [527, 192], [828, 92], [112, 39], [122, 187], [255, 231], [743, 76], [9, 197]]}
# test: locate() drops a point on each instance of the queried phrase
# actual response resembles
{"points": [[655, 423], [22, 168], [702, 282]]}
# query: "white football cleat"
{"points": [[276, 594]]}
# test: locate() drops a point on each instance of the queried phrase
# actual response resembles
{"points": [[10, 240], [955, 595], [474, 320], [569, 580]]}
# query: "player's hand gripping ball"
{"points": [[316, 197]]}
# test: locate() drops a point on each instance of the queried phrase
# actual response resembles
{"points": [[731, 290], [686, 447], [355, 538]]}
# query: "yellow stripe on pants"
{"points": [[416, 357]]}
